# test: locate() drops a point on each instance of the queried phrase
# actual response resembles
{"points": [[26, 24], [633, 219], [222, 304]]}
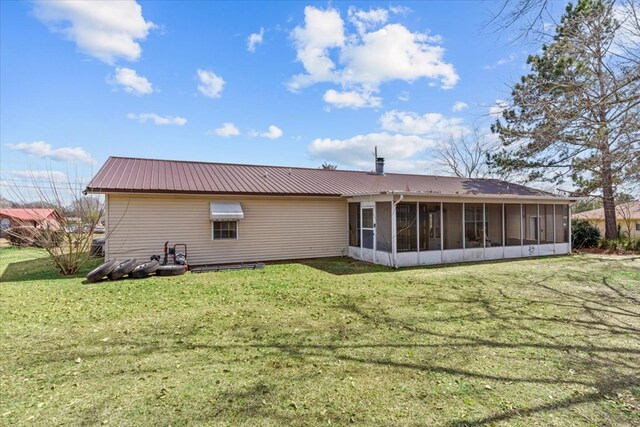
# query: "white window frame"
{"points": [[225, 238]]}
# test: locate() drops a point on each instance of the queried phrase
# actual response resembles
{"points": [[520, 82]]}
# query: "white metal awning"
{"points": [[227, 211]]}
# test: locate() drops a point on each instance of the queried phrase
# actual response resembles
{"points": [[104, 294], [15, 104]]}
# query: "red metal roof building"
{"points": [[16, 217], [232, 213]]}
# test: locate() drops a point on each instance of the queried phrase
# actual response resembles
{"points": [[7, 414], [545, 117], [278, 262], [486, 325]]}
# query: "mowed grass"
{"points": [[547, 342]]}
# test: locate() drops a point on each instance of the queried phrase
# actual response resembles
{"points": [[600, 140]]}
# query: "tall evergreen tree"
{"points": [[576, 114]]}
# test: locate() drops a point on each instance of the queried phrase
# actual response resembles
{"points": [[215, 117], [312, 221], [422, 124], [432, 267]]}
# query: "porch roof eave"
{"points": [[454, 196]]}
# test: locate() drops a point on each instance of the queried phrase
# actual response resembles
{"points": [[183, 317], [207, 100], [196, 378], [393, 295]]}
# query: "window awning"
{"points": [[228, 211]]}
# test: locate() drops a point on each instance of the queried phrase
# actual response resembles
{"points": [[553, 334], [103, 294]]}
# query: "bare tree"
{"points": [[66, 242], [328, 166], [625, 211], [529, 16], [466, 156]]}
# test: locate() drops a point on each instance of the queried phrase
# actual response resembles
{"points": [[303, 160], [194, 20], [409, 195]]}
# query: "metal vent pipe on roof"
{"points": [[379, 165]]}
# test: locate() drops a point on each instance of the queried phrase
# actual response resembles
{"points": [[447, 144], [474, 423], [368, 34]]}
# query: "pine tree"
{"points": [[576, 114]]}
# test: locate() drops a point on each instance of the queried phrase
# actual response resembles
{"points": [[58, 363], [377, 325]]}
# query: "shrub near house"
{"points": [[584, 234]]}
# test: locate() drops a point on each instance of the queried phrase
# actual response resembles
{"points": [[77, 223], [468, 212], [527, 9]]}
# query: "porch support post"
{"points": [[553, 212], [504, 228], [521, 227], [484, 225], [569, 224], [361, 232], [441, 230], [418, 232], [394, 236], [539, 224], [463, 230]]}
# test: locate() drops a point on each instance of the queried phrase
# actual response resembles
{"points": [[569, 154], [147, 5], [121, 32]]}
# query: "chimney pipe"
{"points": [[379, 165]]}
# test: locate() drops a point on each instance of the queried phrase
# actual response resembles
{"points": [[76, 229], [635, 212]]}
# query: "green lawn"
{"points": [[548, 342]]}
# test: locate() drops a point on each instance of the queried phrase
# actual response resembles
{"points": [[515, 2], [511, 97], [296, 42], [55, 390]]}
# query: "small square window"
{"points": [[638, 226], [225, 230]]}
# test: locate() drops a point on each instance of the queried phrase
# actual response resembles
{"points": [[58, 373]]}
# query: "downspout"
{"points": [[394, 231]]}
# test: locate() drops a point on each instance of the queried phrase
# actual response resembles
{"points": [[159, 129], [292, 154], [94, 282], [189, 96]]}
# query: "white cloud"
{"points": [[44, 150], [254, 39], [323, 29], [358, 150], [211, 85], [404, 96], [53, 176], [395, 53], [227, 130], [400, 10], [106, 30], [498, 108], [365, 20], [459, 106], [434, 124], [500, 62], [366, 58], [132, 82], [351, 99], [274, 132], [157, 119]]}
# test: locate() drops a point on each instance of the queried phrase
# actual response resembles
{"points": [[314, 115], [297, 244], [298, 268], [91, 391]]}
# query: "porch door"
{"points": [[368, 230]]}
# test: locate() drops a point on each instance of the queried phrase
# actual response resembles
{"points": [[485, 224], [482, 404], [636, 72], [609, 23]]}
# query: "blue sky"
{"points": [[179, 80]]}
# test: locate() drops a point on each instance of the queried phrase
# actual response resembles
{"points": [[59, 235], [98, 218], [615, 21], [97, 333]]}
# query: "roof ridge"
{"points": [[232, 164]]}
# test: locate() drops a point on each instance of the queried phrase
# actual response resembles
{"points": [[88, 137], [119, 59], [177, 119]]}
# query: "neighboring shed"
{"points": [[15, 217], [230, 213], [627, 218]]}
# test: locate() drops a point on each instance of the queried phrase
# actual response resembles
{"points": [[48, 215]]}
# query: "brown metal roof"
{"points": [[124, 174]]}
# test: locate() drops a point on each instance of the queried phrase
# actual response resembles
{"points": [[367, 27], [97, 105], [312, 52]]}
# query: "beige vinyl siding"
{"points": [[621, 223], [273, 228]]}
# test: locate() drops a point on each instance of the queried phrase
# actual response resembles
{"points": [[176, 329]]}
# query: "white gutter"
{"points": [[467, 196], [394, 228]]}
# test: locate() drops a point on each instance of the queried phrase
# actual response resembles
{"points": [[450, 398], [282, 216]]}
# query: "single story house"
{"points": [[231, 213], [627, 218], [16, 217]]}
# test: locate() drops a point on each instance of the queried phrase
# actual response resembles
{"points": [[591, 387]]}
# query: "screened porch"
{"points": [[403, 233]]}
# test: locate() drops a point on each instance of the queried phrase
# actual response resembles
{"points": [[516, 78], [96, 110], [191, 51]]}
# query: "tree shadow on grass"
{"points": [[565, 325], [42, 269]]}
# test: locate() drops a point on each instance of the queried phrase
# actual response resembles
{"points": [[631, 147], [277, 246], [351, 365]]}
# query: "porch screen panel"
{"points": [[406, 227], [474, 228], [546, 224], [493, 219], [562, 224], [452, 217], [512, 219], [530, 224], [354, 224], [383, 226], [429, 227]]}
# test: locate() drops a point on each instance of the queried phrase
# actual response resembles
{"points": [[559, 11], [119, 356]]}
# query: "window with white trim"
{"points": [[225, 230]]}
